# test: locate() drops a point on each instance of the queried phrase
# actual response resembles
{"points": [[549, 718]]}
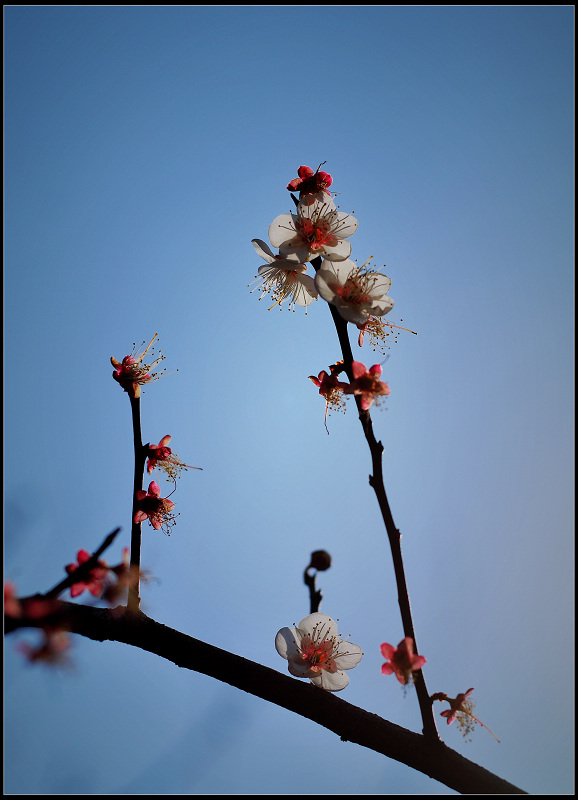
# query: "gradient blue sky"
{"points": [[144, 148]]}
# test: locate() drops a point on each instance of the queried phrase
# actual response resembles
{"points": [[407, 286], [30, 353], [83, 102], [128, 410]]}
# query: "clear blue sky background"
{"points": [[145, 148]]}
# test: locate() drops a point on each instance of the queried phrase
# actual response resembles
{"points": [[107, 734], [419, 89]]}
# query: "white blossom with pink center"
{"points": [[284, 278], [317, 229], [314, 650], [356, 292]]}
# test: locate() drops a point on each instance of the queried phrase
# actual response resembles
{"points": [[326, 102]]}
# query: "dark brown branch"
{"points": [[135, 538], [350, 723], [377, 484]]}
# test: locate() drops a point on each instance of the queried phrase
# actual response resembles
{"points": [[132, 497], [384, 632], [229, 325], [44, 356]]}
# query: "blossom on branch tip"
{"points": [[284, 278], [317, 229], [461, 709], [157, 509], [310, 182], [401, 661], [93, 581], [356, 292], [366, 384], [131, 373], [162, 456], [314, 650]]}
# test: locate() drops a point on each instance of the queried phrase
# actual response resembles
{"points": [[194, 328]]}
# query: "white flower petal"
{"points": [[319, 624], [300, 668], [358, 316], [309, 293], [330, 681], [263, 249], [286, 643], [282, 229], [346, 225], [382, 307], [381, 285], [295, 248], [337, 252], [348, 655], [314, 206]]}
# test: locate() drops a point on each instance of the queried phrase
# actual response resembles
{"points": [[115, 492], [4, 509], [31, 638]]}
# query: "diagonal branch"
{"points": [[350, 723]]}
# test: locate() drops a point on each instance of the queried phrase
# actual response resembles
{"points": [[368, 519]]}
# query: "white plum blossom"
{"points": [[356, 292], [284, 277], [314, 650], [317, 229]]}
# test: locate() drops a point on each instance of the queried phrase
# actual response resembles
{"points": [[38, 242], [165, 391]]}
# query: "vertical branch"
{"points": [[135, 539], [377, 484]]}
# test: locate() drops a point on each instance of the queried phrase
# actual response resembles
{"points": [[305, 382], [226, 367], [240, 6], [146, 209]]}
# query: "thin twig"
{"points": [[84, 569]]}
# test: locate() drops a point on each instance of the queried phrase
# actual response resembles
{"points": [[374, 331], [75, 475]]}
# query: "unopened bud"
{"points": [[320, 560]]}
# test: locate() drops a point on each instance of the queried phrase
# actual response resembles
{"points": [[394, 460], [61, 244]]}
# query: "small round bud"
{"points": [[320, 560]]}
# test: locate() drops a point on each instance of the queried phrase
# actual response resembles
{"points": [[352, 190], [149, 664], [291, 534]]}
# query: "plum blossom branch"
{"points": [[140, 456], [394, 536], [350, 723]]}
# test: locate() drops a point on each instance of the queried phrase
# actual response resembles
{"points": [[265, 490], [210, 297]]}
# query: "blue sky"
{"points": [[144, 148]]}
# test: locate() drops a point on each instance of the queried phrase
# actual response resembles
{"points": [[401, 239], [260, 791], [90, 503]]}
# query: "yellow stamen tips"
{"points": [[276, 303], [143, 354], [399, 327], [365, 263]]}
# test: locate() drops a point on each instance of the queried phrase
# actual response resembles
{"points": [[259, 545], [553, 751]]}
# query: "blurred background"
{"points": [[144, 148]]}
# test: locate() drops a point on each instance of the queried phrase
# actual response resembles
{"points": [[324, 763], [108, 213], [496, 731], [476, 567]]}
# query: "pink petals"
{"points": [[310, 182], [401, 661], [157, 509], [131, 373], [366, 384], [162, 456], [93, 582]]}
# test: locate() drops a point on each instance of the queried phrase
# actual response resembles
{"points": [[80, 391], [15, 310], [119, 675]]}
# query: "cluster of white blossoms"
{"points": [[319, 231]]}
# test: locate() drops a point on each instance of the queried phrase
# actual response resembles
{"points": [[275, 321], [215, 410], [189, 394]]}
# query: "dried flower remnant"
{"points": [[310, 182], [131, 373], [356, 292], [461, 710], [93, 581], [284, 278], [401, 661], [314, 650], [162, 457], [366, 384], [317, 229], [157, 509]]}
